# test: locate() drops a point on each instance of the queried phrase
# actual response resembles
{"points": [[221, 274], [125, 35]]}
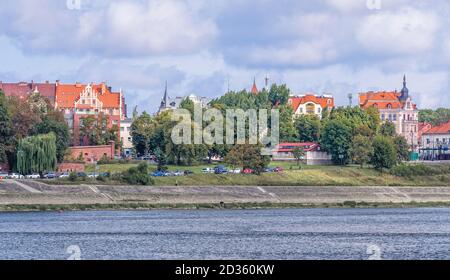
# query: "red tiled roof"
{"points": [[321, 100], [67, 95], [254, 89], [441, 129], [289, 147], [23, 89], [381, 100]]}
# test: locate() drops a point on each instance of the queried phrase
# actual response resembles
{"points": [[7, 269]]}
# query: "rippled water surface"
{"points": [[236, 234]]}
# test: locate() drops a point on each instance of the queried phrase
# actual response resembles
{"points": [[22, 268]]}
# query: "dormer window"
{"points": [[389, 106]]}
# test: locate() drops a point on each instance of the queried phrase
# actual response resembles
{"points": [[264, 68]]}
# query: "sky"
{"points": [[203, 47]]}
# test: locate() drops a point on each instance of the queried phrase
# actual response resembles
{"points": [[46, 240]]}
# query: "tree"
{"points": [[308, 128], [247, 156], [288, 132], [299, 154], [141, 131], [437, 117], [402, 148], [6, 132], [388, 129], [53, 123], [384, 153], [336, 140], [36, 154], [279, 95], [361, 150]]}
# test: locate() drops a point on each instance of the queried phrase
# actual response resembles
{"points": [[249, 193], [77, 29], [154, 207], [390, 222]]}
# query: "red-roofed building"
{"points": [[78, 101], [398, 108], [313, 153], [23, 89], [254, 89], [436, 143], [311, 104]]}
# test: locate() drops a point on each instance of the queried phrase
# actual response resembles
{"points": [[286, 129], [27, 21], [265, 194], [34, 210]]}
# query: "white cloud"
{"points": [[407, 31]]}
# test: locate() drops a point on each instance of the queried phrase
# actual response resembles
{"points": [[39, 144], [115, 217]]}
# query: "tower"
{"points": [[405, 91], [254, 87], [350, 99], [164, 102]]}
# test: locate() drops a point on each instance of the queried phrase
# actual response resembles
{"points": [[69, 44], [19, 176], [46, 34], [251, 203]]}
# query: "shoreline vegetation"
{"points": [[212, 206]]}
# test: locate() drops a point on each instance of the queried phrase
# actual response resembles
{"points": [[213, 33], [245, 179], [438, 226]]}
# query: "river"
{"points": [[294, 234]]}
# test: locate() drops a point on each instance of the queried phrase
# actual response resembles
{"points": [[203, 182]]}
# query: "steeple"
{"points": [[165, 100], [405, 91], [254, 88]]}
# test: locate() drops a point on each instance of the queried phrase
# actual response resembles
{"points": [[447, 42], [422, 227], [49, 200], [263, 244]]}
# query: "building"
{"points": [[22, 90], [169, 103], [313, 153], [423, 128], [92, 154], [78, 101], [125, 136], [310, 104], [398, 108], [436, 142]]}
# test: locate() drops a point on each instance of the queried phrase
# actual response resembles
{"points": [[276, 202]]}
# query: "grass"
{"points": [[307, 176], [187, 206]]}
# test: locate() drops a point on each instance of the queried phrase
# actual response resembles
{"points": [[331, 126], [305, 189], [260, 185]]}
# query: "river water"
{"points": [[422, 233]]}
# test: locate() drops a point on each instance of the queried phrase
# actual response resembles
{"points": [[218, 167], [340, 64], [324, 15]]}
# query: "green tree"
{"points": [[388, 129], [279, 95], [288, 132], [384, 153], [299, 154], [36, 154], [336, 140], [138, 175], [402, 148], [308, 128], [141, 130], [361, 150], [247, 156], [6, 131]]}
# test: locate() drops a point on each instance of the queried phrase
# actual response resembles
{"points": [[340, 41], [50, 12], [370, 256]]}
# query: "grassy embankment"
{"points": [[307, 176]]}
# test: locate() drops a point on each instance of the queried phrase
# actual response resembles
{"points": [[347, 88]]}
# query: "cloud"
{"points": [[407, 31], [120, 28]]}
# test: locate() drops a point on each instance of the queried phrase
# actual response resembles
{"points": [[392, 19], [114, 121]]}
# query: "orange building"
{"points": [[311, 104], [78, 101], [398, 108]]}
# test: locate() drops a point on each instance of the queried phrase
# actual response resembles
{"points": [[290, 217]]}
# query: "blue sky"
{"points": [[324, 46]]}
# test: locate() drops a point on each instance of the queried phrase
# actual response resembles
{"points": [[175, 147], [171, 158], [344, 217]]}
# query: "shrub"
{"points": [[138, 176], [73, 177]]}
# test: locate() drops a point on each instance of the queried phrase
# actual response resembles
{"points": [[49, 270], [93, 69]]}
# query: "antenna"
{"points": [[267, 82], [350, 99]]}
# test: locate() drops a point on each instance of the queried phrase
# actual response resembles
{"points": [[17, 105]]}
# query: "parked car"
{"points": [[50, 175], [82, 175], [268, 170], [64, 175], [207, 170], [188, 172], [15, 176], [159, 174], [220, 170], [278, 169], [92, 175], [236, 171], [33, 176], [3, 176], [178, 173], [248, 171]]}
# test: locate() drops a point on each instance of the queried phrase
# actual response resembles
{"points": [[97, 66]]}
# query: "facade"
{"points": [[398, 108], [169, 103], [310, 104], [436, 143], [22, 90], [125, 134], [423, 128], [78, 101], [313, 153]]}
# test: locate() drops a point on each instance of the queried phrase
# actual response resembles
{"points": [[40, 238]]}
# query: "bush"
{"points": [[73, 177], [138, 176], [409, 171]]}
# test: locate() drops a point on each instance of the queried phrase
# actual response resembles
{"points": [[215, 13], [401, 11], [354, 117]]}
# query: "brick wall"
{"points": [[93, 153], [71, 167]]}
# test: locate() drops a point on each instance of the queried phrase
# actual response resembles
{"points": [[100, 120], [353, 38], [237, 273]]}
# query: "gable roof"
{"points": [[323, 101], [68, 94], [23, 89], [381, 100]]}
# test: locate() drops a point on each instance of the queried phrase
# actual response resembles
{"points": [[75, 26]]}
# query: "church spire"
{"points": [[405, 91], [254, 88], [165, 99]]}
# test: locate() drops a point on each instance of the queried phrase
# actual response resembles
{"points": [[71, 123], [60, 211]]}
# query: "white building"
{"points": [[125, 135]]}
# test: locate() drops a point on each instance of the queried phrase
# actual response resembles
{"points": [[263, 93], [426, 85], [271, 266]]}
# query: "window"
{"points": [[301, 110], [428, 141], [122, 129], [394, 117], [383, 117], [319, 110], [310, 108], [389, 106]]}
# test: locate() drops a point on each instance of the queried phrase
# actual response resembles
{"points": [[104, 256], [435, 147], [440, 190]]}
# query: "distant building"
{"points": [[313, 153], [398, 108], [78, 101], [22, 90], [125, 136], [423, 128], [436, 143], [92, 154], [169, 103], [310, 104]]}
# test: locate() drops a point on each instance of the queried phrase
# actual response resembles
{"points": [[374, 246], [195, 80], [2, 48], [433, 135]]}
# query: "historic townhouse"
{"points": [[22, 90], [78, 101], [310, 104], [398, 108]]}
